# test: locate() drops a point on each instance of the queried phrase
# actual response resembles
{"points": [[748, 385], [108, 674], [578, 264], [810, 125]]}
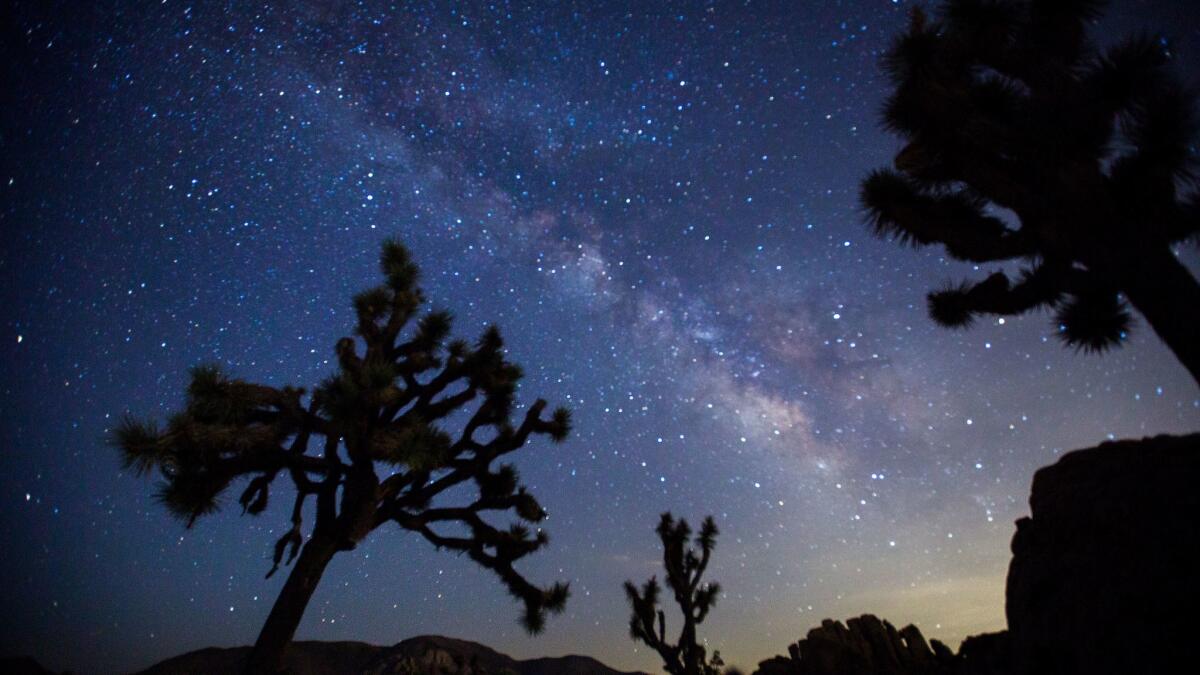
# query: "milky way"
{"points": [[656, 203]]}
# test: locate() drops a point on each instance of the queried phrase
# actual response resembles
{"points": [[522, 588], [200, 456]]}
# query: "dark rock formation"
{"points": [[870, 646], [1105, 573], [1104, 577], [425, 655], [986, 654], [866, 645]]}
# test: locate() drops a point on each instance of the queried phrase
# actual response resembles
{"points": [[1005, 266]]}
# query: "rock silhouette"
{"points": [[423, 655], [865, 645], [1104, 571], [1103, 580]]}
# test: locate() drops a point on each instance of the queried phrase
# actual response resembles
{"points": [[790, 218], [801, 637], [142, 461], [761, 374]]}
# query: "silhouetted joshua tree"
{"points": [[1025, 143], [383, 456], [684, 568]]}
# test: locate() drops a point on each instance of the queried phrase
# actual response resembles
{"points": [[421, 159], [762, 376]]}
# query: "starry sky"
{"points": [[656, 202]]}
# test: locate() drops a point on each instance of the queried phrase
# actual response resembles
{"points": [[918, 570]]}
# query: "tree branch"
{"points": [[899, 209]]}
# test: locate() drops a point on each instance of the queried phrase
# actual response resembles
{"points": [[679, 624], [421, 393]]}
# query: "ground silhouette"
{"points": [[1102, 580], [382, 456], [423, 655]]}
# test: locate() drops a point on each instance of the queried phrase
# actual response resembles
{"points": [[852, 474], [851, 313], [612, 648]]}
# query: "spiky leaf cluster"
{"points": [[1008, 108], [684, 566], [228, 428], [387, 450]]}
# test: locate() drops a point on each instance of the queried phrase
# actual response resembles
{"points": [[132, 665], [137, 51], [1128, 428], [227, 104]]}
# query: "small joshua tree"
{"points": [[684, 568], [383, 454], [1007, 107]]}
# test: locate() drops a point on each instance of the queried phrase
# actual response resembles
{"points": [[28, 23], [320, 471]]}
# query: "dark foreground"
{"points": [[424, 655], [1104, 579]]}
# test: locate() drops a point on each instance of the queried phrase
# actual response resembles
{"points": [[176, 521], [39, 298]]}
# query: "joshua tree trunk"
{"points": [[267, 655], [1168, 296]]}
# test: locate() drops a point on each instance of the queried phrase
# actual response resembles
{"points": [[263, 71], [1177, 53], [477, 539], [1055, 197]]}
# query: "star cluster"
{"points": [[657, 202]]}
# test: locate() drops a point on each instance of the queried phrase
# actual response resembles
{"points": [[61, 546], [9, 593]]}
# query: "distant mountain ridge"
{"points": [[422, 655]]}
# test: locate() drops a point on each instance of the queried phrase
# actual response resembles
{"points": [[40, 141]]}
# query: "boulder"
{"points": [[865, 645], [1104, 576], [1106, 569]]}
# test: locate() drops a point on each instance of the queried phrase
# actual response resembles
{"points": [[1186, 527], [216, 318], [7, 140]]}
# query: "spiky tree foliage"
{"points": [[1026, 143], [684, 566], [373, 445]]}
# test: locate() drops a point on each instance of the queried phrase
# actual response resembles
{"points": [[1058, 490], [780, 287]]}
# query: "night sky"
{"points": [[657, 202]]}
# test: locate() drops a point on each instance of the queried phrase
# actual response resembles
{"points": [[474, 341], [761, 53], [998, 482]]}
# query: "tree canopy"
{"points": [[684, 567], [408, 416], [1027, 143]]}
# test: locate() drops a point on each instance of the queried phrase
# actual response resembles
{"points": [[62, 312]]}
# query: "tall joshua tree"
{"points": [[371, 446], [1027, 143], [684, 567]]}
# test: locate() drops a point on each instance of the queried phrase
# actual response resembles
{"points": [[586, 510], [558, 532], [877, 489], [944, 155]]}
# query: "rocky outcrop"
{"points": [[1104, 577], [425, 655], [866, 645], [870, 646], [986, 654], [1105, 574]]}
